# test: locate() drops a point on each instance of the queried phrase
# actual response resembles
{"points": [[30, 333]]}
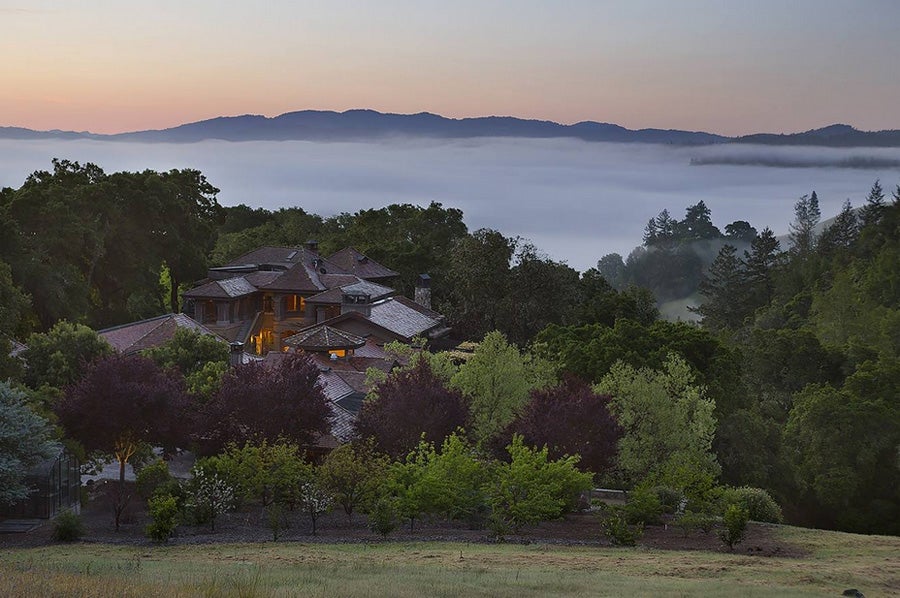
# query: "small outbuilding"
{"points": [[55, 485]]}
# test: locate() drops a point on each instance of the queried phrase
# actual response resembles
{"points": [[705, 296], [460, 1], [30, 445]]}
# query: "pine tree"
{"points": [[806, 217], [842, 233], [722, 285], [759, 264], [871, 213]]}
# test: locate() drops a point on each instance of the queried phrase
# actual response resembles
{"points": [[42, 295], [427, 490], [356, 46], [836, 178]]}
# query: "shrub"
{"points": [[384, 516], [671, 499], [531, 488], [690, 521], [759, 504], [163, 511], [151, 477], [735, 522], [643, 507], [619, 532], [67, 527]]}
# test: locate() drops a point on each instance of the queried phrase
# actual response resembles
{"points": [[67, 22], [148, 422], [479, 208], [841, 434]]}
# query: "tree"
{"points": [[184, 231], [353, 474], [802, 229], [315, 500], [270, 472], [530, 488], [841, 234], [59, 356], [569, 419], [661, 231], [287, 401], [612, 267], [601, 303], [413, 239], [697, 224], [14, 304], [843, 446], [740, 230], [495, 382], [407, 406], [759, 266], [873, 210], [447, 482], [722, 286], [201, 358], [668, 426], [24, 443], [541, 292], [122, 403], [478, 278], [188, 350]]}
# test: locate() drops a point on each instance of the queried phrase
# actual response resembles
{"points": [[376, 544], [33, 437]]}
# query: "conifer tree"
{"points": [[806, 217], [871, 213]]}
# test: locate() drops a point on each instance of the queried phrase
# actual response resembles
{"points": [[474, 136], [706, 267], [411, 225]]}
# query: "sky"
{"points": [[730, 67]]}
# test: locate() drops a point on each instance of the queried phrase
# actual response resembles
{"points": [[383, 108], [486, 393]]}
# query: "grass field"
{"points": [[830, 563]]}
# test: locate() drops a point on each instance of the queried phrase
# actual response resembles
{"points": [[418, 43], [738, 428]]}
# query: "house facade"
{"points": [[271, 294]]}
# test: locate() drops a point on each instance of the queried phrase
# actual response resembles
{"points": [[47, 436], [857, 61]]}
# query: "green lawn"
{"points": [[833, 563]]}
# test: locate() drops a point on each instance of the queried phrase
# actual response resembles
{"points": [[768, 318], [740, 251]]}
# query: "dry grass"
{"points": [[833, 563]]}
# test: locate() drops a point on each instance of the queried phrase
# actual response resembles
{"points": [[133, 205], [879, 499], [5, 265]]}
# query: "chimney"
{"points": [[423, 291], [312, 246], [236, 355]]}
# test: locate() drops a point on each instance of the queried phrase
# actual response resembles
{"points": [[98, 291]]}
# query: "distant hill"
{"points": [[831, 136], [361, 125]]}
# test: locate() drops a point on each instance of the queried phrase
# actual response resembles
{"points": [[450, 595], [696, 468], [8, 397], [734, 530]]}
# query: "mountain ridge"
{"points": [[367, 124]]}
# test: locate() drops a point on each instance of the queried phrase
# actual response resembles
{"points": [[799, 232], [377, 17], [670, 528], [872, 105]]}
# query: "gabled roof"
{"points": [[324, 338], [301, 277], [363, 266], [152, 332]]}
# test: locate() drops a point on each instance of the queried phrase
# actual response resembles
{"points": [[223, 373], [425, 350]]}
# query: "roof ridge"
{"points": [[145, 320]]}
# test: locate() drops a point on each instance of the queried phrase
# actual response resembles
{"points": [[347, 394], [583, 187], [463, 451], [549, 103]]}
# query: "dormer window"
{"points": [[355, 298]]}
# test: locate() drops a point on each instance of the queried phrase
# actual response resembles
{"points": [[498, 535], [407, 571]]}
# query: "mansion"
{"points": [[279, 298]]}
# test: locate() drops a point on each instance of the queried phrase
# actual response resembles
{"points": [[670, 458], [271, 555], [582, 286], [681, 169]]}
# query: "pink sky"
{"points": [[725, 67]]}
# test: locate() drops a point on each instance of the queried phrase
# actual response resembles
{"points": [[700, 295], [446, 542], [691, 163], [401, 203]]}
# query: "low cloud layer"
{"points": [[576, 201]]}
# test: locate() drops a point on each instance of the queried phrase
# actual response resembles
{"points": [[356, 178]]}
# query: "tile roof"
{"points": [[323, 338], [334, 294], [404, 317], [334, 386], [298, 278], [228, 288], [272, 255], [364, 287], [371, 349], [342, 423], [363, 266], [153, 332]]}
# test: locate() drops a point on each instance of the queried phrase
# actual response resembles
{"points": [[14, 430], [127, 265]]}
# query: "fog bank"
{"points": [[575, 200]]}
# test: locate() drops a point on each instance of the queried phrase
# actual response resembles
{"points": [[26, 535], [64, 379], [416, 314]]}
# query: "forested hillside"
{"points": [[789, 382]]}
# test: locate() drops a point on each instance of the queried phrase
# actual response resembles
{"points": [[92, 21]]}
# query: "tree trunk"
{"points": [[173, 293]]}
